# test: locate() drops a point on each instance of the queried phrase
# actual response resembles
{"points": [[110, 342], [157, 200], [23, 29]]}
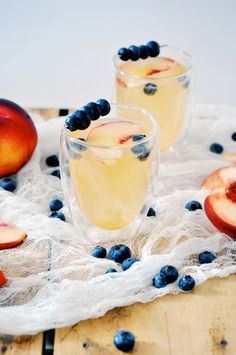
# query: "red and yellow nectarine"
{"points": [[18, 137]]}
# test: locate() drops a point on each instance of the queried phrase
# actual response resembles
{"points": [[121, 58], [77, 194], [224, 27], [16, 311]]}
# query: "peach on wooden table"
{"points": [[11, 236]]}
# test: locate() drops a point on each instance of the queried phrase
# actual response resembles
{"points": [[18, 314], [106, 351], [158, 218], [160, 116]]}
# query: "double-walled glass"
{"points": [[161, 85], [109, 187]]}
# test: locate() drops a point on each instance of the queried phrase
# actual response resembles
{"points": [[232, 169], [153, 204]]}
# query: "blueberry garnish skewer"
{"points": [[152, 49], [81, 119]]}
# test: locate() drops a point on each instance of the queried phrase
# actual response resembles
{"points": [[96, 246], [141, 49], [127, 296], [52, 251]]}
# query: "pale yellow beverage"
{"points": [[161, 86], [111, 174]]}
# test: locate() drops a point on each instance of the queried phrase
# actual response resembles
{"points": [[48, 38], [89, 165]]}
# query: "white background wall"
{"points": [[58, 52]]}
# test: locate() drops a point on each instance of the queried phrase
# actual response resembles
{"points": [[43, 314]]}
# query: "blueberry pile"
{"points": [[151, 49], [167, 275], [8, 184], [119, 253], [81, 119], [55, 205]]}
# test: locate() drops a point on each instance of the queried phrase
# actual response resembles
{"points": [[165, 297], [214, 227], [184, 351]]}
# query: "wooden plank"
{"points": [[201, 322], [25, 345]]}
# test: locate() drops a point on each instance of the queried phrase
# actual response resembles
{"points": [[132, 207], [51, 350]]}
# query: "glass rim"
{"points": [[152, 133], [116, 58]]}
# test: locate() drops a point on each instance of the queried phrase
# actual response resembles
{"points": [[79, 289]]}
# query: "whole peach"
{"points": [[18, 137]]}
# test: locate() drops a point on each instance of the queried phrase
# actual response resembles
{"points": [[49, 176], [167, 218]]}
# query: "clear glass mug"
{"points": [[109, 188], [167, 94]]}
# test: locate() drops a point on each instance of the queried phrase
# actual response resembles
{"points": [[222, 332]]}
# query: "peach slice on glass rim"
{"points": [[10, 236]]}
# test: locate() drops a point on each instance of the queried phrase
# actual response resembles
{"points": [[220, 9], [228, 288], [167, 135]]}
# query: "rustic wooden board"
{"points": [[201, 322], [21, 345]]}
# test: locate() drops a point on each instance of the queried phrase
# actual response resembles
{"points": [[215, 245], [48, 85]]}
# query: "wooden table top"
{"points": [[200, 322]]}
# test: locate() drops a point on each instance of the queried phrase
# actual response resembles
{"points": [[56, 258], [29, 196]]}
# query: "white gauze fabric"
{"points": [[53, 279]]}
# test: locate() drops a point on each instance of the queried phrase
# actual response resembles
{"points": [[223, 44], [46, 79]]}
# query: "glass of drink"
{"points": [[109, 171], [160, 84]]}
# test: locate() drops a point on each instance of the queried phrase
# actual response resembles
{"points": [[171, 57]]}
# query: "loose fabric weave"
{"points": [[53, 279]]}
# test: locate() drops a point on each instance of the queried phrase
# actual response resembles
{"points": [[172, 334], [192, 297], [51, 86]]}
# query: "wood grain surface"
{"points": [[25, 345], [200, 322]]}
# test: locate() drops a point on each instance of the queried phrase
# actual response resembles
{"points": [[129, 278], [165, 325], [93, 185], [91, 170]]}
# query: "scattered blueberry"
{"points": [[55, 205], [193, 205], [58, 215], [234, 136], [124, 54], [99, 252], [8, 184], [119, 253], [170, 272], [104, 107], [159, 280], [150, 89], [153, 48], [95, 109], [127, 263], [216, 148], [151, 212], [138, 137], [144, 52], [52, 161], [111, 270], [124, 340], [141, 151], [56, 173], [206, 257], [186, 283], [134, 53]]}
